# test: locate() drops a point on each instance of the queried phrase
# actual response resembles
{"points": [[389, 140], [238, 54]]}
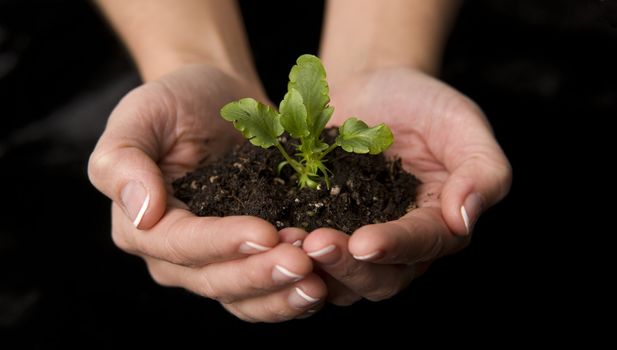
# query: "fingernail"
{"points": [[282, 275], [367, 257], [249, 247], [297, 243], [135, 200], [300, 299], [307, 314], [327, 255], [321, 252], [470, 210]]}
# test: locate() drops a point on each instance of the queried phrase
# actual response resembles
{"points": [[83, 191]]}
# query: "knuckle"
{"points": [[158, 275], [239, 313], [436, 248], [95, 165], [175, 251], [98, 164], [349, 272], [345, 300], [383, 293], [92, 166], [256, 280], [214, 250], [504, 177], [209, 290], [279, 314], [121, 241]]}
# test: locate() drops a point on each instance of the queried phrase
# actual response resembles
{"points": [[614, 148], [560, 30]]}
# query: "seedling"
{"points": [[304, 113]]}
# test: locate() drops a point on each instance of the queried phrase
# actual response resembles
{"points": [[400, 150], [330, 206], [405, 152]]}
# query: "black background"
{"points": [[532, 66]]}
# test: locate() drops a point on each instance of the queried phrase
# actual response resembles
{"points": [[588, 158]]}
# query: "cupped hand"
{"points": [[158, 132], [444, 139]]}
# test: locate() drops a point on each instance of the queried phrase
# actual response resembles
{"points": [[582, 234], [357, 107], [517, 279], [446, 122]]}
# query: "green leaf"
{"points": [[281, 166], [355, 136], [293, 114], [321, 121], [319, 146], [308, 77], [257, 122]]}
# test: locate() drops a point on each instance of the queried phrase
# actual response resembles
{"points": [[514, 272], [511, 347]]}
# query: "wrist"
{"points": [[164, 35], [339, 73], [169, 60], [384, 35]]}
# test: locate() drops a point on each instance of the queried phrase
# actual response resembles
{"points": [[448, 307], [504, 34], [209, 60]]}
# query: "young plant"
{"points": [[304, 113]]}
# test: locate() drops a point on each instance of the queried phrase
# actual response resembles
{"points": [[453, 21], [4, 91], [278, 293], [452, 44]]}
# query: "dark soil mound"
{"points": [[365, 189]]}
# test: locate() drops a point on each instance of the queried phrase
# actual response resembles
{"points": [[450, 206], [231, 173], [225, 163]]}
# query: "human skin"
{"points": [[194, 58], [381, 60]]}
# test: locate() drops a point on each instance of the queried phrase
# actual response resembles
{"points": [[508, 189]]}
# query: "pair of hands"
{"points": [[165, 128]]}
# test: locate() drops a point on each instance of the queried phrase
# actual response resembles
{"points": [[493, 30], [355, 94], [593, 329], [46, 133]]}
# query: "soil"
{"points": [[365, 189]]}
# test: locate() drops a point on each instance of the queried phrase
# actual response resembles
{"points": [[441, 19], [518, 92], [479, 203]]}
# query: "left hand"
{"points": [[444, 139]]}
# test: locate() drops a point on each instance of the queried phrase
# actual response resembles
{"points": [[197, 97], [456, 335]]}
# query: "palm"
{"points": [[423, 113], [186, 119]]}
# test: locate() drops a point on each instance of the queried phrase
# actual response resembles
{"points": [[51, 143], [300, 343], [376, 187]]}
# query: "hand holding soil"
{"points": [[440, 136], [157, 133], [443, 138], [375, 52]]}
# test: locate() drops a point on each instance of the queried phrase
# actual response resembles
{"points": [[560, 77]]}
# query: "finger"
{"points": [[421, 235], [185, 239], [328, 247], [123, 164], [238, 279], [297, 301], [338, 293], [480, 174], [293, 235]]}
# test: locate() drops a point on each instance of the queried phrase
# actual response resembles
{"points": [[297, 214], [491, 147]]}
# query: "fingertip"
{"points": [[129, 177], [453, 209], [144, 205], [419, 234], [321, 238], [292, 259], [325, 245], [255, 235], [312, 290], [293, 235], [369, 243]]}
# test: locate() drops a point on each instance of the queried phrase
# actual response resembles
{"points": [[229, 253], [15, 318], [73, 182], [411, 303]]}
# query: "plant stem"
{"points": [[329, 149], [294, 164]]}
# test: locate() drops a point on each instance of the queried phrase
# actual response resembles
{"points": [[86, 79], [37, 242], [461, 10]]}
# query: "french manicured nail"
{"points": [[307, 314], [321, 252], [326, 255], [470, 210], [249, 247], [367, 257], [299, 299], [282, 275], [297, 243], [135, 200]]}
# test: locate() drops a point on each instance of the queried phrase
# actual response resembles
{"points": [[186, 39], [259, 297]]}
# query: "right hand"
{"points": [[158, 132]]}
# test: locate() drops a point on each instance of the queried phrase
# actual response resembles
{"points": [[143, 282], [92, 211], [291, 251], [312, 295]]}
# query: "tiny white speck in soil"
{"points": [[334, 191]]}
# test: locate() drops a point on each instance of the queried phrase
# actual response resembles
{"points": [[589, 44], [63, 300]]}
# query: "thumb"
{"points": [[131, 179], [123, 166], [481, 179]]}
